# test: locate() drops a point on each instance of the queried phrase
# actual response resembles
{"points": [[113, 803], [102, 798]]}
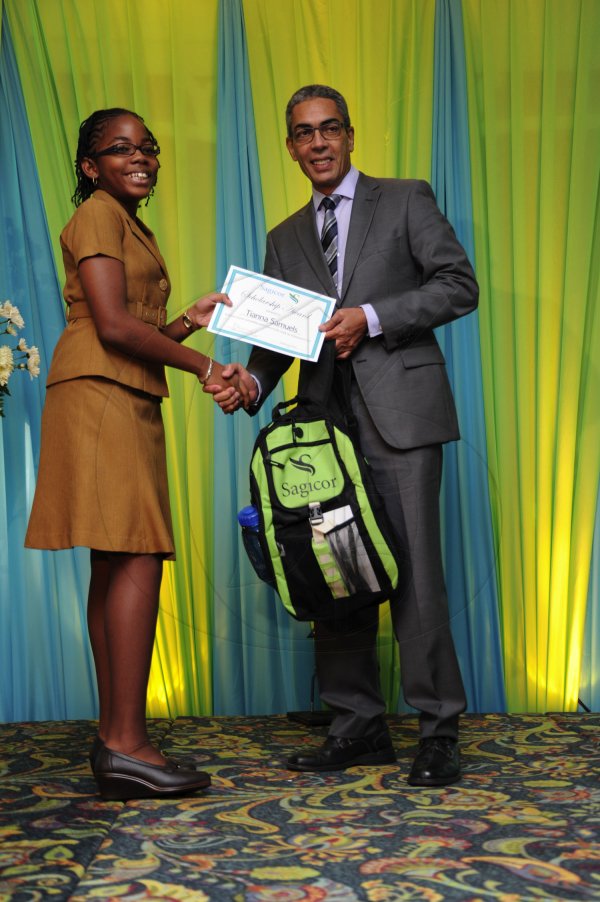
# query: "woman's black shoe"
{"points": [[95, 747], [120, 777], [97, 744]]}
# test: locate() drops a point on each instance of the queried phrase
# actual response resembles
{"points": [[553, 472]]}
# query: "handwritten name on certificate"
{"points": [[272, 314]]}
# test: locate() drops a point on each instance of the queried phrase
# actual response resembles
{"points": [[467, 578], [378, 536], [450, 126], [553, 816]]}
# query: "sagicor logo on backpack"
{"points": [[302, 464], [305, 489]]}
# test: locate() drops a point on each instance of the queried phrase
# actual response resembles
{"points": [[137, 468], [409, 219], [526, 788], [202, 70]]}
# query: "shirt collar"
{"points": [[346, 187]]}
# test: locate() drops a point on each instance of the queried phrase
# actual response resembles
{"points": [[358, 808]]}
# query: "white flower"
{"points": [[22, 357], [7, 364], [33, 361], [11, 313]]}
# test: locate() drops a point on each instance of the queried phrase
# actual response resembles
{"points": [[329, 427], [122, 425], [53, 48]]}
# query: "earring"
{"points": [[94, 182]]}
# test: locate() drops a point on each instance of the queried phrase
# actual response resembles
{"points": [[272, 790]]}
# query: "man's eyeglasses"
{"points": [[329, 131], [127, 149]]}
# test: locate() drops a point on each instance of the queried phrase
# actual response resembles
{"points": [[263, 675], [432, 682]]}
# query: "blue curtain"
{"points": [[589, 693], [468, 539], [46, 671], [262, 660]]}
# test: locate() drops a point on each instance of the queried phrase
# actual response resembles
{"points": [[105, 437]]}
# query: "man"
{"points": [[392, 260]]}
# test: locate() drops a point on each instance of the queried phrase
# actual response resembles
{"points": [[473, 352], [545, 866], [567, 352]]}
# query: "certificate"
{"points": [[272, 314]]}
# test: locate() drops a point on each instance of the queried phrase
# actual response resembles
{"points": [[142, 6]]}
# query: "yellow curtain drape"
{"points": [[535, 145], [159, 59], [383, 65]]}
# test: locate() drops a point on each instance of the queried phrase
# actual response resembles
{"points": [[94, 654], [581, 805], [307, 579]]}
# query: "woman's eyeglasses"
{"points": [[127, 149]]}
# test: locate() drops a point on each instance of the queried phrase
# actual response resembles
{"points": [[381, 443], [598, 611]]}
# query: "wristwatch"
{"points": [[187, 322]]}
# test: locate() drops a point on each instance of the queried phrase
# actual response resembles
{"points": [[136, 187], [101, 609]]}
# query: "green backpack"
{"points": [[325, 538]]}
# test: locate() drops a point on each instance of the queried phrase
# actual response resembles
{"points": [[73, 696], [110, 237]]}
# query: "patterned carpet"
{"points": [[524, 823]]}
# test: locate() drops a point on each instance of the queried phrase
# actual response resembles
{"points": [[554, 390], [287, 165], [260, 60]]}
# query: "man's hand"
{"points": [[347, 327], [235, 388]]}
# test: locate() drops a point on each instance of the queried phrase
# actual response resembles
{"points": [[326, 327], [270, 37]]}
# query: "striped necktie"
{"points": [[329, 235]]}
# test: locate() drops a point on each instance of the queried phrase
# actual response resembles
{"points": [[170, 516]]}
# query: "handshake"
{"points": [[231, 386]]}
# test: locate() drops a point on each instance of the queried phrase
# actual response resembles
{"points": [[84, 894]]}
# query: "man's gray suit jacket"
{"points": [[403, 257]]}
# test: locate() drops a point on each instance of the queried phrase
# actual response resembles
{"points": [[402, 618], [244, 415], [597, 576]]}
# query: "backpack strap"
{"points": [[308, 406], [319, 406], [280, 408]]}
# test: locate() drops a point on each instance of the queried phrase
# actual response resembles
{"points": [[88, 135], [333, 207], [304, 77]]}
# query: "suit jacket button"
{"points": [[163, 284]]}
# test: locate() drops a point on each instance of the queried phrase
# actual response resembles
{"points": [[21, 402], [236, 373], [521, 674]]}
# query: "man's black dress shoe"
{"points": [[340, 752], [120, 777], [437, 762]]}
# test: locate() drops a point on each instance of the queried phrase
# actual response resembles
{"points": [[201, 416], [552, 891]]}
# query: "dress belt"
{"points": [[156, 316]]}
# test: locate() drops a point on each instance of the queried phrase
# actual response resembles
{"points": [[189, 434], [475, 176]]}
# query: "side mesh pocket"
{"points": [[342, 555]]}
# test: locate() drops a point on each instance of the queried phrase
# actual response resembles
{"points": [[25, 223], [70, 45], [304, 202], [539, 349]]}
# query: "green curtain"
{"points": [[535, 170], [535, 150], [383, 65]]}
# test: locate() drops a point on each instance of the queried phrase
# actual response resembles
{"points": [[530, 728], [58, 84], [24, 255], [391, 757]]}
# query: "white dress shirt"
{"points": [[343, 211], [345, 190]]}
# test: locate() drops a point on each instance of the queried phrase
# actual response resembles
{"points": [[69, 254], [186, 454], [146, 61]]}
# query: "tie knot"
{"points": [[331, 202]]}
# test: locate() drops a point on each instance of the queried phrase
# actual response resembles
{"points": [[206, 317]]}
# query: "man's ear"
{"points": [[89, 168], [350, 131], [290, 146]]}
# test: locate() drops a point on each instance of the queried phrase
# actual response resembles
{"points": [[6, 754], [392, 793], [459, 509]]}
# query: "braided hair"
{"points": [[90, 132]]}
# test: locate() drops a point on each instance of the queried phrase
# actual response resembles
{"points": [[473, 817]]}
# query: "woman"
{"points": [[102, 479]]}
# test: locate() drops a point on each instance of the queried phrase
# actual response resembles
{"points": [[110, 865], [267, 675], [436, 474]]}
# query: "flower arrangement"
{"points": [[19, 357]]}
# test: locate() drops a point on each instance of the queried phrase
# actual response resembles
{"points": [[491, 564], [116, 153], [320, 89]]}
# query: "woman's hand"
{"points": [[201, 310]]}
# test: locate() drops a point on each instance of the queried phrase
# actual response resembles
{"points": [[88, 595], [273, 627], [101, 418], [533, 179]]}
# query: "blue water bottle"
{"points": [[249, 520]]}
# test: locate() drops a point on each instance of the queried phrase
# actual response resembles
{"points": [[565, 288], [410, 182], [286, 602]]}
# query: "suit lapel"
{"points": [[309, 241], [364, 205]]}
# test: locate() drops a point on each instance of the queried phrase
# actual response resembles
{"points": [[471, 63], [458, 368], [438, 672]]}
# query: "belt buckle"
{"points": [[156, 316]]}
